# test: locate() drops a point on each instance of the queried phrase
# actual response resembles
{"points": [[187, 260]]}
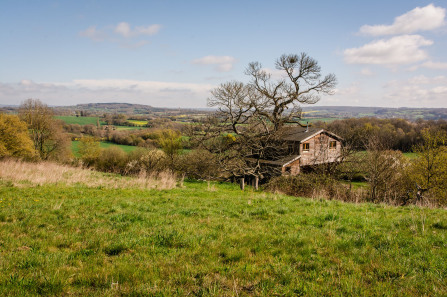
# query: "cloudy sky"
{"points": [[172, 53]]}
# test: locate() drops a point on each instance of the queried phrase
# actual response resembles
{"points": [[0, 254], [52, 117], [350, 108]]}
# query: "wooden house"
{"points": [[305, 147]]}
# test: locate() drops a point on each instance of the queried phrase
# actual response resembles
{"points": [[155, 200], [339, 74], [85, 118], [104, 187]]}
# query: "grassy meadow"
{"points": [[211, 239], [80, 120], [103, 144]]}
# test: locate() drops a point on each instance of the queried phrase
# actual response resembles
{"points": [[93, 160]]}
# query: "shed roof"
{"points": [[281, 162], [298, 133]]}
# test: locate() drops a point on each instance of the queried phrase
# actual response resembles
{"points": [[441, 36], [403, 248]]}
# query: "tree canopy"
{"points": [[14, 138], [268, 101]]}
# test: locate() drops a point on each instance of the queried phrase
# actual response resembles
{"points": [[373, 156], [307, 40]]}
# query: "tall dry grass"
{"points": [[21, 173]]}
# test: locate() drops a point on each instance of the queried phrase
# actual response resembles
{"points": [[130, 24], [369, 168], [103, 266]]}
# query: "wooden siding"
{"points": [[292, 168], [319, 151]]}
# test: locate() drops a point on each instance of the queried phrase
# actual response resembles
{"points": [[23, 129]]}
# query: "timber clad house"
{"points": [[307, 147]]}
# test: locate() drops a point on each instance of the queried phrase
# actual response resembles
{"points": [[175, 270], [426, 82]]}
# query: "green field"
{"points": [[103, 144], [313, 120], [213, 240], [79, 120], [138, 123]]}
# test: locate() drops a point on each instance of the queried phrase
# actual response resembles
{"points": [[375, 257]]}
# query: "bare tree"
{"points": [[254, 113], [45, 132], [272, 102]]}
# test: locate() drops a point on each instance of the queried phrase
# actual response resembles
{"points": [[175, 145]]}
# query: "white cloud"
{"points": [[419, 19], [366, 72], [346, 95], [419, 91], [149, 30], [162, 94], [397, 50], [429, 65], [222, 63], [92, 33], [124, 29], [353, 89], [434, 65], [424, 80]]}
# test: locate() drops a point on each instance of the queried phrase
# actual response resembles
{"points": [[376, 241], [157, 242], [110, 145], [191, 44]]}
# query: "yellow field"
{"points": [[138, 123]]}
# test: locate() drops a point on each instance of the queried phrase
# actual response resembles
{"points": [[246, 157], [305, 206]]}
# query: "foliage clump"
{"points": [[14, 138]]}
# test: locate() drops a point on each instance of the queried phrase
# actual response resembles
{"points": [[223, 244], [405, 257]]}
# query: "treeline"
{"points": [[168, 156], [394, 134], [145, 137]]}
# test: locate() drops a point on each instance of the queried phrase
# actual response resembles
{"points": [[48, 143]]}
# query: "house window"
{"points": [[333, 145], [305, 146]]}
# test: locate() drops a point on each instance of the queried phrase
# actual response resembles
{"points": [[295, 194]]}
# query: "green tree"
{"points": [[45, 132], [89, 150], [14, 138], [429, 169], [170, 142]]}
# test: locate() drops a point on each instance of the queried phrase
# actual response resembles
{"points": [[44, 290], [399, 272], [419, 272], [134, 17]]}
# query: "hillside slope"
{"points": [[213, 239]]}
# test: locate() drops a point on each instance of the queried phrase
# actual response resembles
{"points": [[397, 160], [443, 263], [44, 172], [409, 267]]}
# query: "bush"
{"points": [[90, 150], [112, 159], [199, 164], [314, 185], [147, 160]]}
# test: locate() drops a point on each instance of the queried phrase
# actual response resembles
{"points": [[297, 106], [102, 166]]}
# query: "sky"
{"points": [[173, 53]]}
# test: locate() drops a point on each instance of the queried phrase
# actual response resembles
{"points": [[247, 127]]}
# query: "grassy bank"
{"points": [[213, 239]]}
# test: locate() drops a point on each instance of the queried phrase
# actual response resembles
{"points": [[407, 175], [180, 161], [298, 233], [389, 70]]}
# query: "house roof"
{"points": [[300, 134]]}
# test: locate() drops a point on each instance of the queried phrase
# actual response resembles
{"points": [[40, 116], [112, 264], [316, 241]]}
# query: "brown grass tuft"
{"points": [[20, 173]]}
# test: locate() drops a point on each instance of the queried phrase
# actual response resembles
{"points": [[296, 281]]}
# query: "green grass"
{"points": [[204, 240], [126, 148], [79, 120], [411, 155]]}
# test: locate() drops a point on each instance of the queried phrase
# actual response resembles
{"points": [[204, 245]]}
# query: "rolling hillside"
{"points": [[203, 239]]}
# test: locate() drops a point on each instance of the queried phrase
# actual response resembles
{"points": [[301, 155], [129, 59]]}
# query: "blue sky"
{"points": [[172, 53]]}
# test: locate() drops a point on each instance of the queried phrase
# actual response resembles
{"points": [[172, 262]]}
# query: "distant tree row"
{"points": [[395, 134]]}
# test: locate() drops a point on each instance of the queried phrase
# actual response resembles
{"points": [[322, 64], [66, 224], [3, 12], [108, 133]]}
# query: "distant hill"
{"points": [[99, 109], [310, 112], [378, 112]]}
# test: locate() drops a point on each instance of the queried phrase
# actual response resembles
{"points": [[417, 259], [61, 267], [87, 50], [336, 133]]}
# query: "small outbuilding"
{"points": [[306, 147]]}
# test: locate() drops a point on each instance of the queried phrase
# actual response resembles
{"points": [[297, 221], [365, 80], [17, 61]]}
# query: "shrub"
{"points": [[90, 150], [112, 159], [315, 186], [199, 164], [147, 160]]}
